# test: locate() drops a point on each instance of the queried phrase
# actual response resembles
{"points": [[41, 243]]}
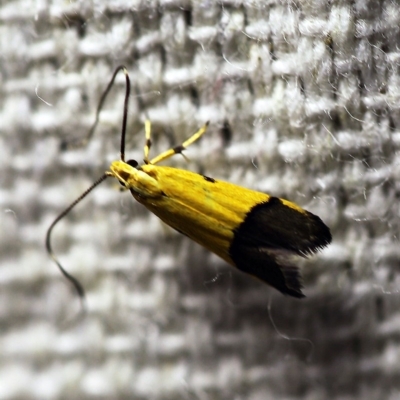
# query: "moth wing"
{"points": [[277, 270], [273, 233]]}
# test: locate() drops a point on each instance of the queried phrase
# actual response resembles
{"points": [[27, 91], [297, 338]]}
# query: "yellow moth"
{"points": [[257, 233]]}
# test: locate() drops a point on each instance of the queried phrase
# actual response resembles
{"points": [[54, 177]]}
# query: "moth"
{"points": [[257, 233]]}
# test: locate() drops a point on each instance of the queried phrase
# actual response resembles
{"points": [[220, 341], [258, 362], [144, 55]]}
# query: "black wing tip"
{"points": [[270, 235], [279, 225], [319, 236], [274, 269], [322, 232], [292, 281]]}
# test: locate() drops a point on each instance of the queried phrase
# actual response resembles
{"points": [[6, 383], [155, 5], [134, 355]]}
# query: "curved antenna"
{"points": [[75, 283], [65, 145], [82, 142]]}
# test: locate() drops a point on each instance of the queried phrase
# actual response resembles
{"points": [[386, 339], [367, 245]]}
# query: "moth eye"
{"points": [[124, 175], [132, 163]]}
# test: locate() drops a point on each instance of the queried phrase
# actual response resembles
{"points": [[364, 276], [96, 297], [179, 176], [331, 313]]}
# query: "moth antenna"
{"points": [[65, 145], [75, 283]]}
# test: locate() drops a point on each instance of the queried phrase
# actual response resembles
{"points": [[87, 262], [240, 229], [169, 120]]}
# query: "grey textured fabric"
{"points": [[310, 90]]}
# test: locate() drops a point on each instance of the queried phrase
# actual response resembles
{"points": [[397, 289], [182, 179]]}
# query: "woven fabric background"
{"points": [[311, 92]]}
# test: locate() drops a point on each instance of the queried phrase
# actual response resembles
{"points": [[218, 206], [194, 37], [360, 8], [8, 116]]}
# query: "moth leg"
{"points": [[179, 149], [147, 145]]}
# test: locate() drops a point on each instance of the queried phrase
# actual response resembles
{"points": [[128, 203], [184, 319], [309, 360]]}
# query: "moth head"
{"points": [[123, 171], [135, 178]]}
